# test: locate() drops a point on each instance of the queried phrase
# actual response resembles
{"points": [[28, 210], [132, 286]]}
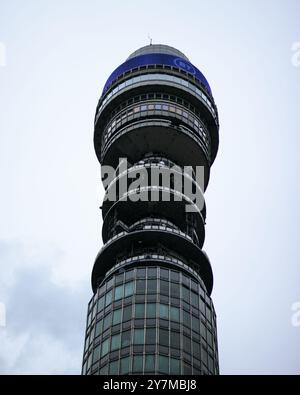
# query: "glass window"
{"points": [[175, 340], [96, 354], [186, 344], [163, 364], [196, 349], [140, 286], [150, 335], [194, 299], [165, 107], [101, 303], [117, 314], [127, 313], [149, 363], [104, 370], [157, 106], [195, 324], [164, 273], [139, 310], [125, 365], [105, 347], [143, 107], [174, 276], [141, 273], [175, 290], [98, 328], [115, 342], [151, 310], [128, 289], [129, 275], [174, 313], [152, 272], [137, 363], [119, 292], [106, 322], [186, 319], [164, 337], [164, 287], [164, 311], [174, 366], [138, 336], [185, 294], [126, 338], [114, 368], [108, 298], [151, 286]]}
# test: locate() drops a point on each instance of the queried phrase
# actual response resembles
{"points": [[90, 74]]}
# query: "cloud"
{"points": [[45, 321]]}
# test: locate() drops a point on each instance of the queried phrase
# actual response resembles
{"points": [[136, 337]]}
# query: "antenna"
{"points": [[150, 39]]}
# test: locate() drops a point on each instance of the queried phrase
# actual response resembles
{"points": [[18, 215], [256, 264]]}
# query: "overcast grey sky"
{"points": [[55, 57]]}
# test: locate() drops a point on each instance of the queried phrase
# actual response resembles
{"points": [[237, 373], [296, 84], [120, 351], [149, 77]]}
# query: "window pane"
{"points": [[119, 292], [138, 336], [151, 310], [164, 287], [117, 314], [139, 310], [150, 335], [126, 338], [96, 353], [164, 337], [174, 366], [175, 340], [164, 273], [114, 368], [174, 312], [127, 313], [186, 319], [164, 311], [125, 365], [149, 363], [115, 342], [140, 286], [163, 364], [185, 294], [129, 289], [175, 290], [194, 299], [105, 347], [151, 286], [195, 324], [141, 273], [137, 364], [186, 344], [196, 349], [101, 303], [106, 323], [98, 328], [108, 298]]}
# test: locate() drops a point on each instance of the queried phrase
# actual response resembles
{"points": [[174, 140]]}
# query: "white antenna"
{"points": [[150, 39]]}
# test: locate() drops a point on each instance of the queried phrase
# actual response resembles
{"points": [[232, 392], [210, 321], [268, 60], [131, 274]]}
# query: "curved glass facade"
{"points": [[151, 320]]}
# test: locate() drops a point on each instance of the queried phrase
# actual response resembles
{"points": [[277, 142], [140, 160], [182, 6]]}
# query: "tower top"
{"points": [[159, 49]]}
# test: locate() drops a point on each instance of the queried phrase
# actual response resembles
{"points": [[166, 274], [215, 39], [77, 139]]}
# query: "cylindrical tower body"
{"points": [[151, 312]]}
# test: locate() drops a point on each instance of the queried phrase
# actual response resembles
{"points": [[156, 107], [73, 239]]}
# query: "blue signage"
{"points": [[157, 58]]}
